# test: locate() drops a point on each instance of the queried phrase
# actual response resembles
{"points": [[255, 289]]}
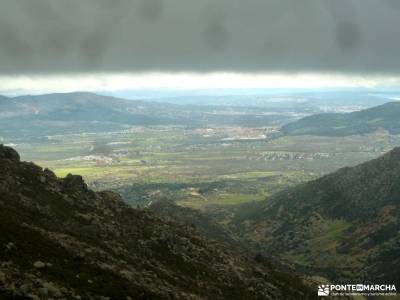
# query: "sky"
{"points": [[186, 82], [49, 45]]}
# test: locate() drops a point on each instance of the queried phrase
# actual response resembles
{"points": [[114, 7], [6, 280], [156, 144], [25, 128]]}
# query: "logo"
{"points": [[323, 290], [359, 287], [369, 290]]}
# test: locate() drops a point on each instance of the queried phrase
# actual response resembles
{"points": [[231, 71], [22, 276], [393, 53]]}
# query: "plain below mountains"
{"points": [[60, 240], [383, 117], [344, 226]]}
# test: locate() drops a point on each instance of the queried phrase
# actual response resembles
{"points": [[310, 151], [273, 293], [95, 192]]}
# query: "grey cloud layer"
{"points": [[58, 36]]}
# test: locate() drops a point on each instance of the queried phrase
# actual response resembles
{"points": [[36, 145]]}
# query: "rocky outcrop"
{"points": [[74, 182], [8, 153]]}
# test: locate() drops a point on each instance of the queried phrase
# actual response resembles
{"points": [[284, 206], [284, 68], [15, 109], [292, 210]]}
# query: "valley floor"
{"points": [[200, 167]]}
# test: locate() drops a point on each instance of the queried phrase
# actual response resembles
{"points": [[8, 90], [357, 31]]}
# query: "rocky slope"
{"points": [[344, 226], [58, 239]]}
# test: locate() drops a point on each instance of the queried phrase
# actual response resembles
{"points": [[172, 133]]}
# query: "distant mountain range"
{"points": [[301, 100], [86, 107], [344, 226], [32, 116], [384, 117], [27, 117], [58, 239]]}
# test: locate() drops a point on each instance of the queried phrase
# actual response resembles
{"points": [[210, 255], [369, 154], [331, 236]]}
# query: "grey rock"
{"points": [[10, 246], [39, 265], [42, 179]]}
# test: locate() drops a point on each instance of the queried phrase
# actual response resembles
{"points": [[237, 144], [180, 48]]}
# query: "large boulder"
{"points": [[74, 182], [8, 153]]}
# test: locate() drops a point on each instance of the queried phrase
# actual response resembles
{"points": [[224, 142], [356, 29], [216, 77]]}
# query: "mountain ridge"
{"points": [[360, 122], [59, 239], [343, 225], [36, 116]]}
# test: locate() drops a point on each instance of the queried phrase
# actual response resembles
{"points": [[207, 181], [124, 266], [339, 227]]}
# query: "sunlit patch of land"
{"points": [[220, 166]]}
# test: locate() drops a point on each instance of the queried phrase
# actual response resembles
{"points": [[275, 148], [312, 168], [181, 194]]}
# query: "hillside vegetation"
{"points": [[58, 239], [344, 226], [385, 117]]}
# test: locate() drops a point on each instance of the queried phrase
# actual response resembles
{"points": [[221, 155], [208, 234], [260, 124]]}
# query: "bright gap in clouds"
{"points": [[38, 84]]}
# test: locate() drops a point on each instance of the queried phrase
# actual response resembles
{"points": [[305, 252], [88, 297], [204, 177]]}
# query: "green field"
{"points": [[199, 167]]}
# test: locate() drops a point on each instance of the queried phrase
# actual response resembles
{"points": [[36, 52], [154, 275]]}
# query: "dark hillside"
{"points": [[58, 239], [344, 225]]}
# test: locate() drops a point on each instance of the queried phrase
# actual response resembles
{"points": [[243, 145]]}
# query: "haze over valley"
{"points": [[199, 150], [232, 154]]}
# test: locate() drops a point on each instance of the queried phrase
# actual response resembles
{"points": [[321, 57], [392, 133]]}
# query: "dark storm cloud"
{"points": [[58, 36]]}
